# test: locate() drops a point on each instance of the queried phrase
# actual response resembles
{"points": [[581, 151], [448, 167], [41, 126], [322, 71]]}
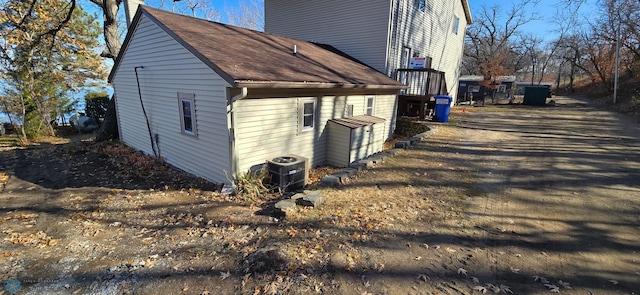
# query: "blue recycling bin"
{"points": [[443, 107]]}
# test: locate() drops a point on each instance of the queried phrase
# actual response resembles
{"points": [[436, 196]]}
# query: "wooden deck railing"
{"points": [[422, 81]]}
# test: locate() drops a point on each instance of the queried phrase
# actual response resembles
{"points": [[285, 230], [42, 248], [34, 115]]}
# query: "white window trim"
{"points": [[373, 105], [188, 97], [301, 115], [456, 25], [405, 57]]}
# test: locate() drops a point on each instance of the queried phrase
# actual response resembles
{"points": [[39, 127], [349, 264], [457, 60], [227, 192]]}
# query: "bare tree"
{"points": [[196, 8], [571, 52], [110, 10], [248, 15], [494, 43]]}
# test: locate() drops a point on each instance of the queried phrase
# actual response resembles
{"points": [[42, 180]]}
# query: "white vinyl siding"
{"points": [[385, 107], [376, 32], [266, 127], [167, 72], [326, 22], [433, 38]]}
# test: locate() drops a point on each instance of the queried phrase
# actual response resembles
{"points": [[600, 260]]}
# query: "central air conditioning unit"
{"points": [[289, 172]]}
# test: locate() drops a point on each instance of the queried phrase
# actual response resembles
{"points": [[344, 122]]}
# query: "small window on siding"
{"points": [[405, 57], [456, 25], [421, 5], [349, 111], [187, 113], [370, 104], [307, 114]]}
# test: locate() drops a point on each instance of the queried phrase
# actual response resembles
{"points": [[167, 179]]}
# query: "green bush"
{"points": [[33, 126], [96, 104]]}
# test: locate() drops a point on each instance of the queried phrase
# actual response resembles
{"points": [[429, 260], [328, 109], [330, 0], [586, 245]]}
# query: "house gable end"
{"points": [[134, 25]]}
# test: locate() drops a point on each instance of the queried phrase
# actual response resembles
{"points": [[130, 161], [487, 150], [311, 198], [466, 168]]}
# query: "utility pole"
{"points": [[533, 72], [615, 80]]}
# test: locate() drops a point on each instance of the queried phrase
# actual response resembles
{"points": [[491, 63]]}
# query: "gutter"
{"points": [[313, 85], [390, 31], [467, 11], [231, 118]]}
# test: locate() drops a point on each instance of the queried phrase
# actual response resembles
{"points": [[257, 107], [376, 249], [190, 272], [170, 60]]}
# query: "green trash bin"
{"points": [[536, 95]]}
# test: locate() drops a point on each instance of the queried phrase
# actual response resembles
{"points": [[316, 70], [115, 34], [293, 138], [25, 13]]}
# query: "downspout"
{"points": [[144, 112], [233, 156], [390, 27]]}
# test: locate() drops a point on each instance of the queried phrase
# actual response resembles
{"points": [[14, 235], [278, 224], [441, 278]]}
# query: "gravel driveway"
{"points": [[559, 195]]}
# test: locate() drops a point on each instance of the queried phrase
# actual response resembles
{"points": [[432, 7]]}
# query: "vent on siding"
{"points": [[349, 111]]}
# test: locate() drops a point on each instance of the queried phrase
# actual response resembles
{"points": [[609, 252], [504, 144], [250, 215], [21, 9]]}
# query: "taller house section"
{"points": [[384, 34]]}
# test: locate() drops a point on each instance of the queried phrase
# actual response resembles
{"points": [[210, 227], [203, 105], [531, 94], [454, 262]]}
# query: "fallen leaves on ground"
{"points": [[38, 239]]}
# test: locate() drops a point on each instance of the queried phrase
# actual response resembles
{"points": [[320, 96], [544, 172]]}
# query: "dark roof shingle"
{"points": [[251, 58]]}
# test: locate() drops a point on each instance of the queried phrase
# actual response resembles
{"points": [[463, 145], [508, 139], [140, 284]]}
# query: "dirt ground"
{"points": [[504, 199]]}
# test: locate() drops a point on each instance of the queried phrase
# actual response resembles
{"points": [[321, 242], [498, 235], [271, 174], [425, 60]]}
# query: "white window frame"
{"points": [[370, 110], [456, 25], [405, 57], [190, 99], [302, 115]]}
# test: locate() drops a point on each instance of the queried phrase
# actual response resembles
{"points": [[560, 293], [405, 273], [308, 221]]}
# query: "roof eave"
{"points": [[467, 11], [311, 85]]}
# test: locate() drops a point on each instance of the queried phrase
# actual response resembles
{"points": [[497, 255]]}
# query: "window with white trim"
{"points": [[307, 113], [456, 25], [370, 104], [405, 57], [187, 109], [421, 5]]}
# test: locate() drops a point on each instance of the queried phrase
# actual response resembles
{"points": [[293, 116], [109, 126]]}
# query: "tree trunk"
{"points": [[111, 34], [23, 112], [109, 128]]}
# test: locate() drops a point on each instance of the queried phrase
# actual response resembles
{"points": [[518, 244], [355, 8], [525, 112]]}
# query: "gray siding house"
{"points": [[216, 100], [384, 34]]}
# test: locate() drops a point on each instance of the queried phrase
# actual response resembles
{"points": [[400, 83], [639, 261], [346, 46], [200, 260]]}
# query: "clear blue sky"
{"points": [[546, 10], [221, 6]]}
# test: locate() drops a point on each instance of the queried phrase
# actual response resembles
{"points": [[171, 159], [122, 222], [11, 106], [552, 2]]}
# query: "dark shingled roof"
{"points": [[248, 58]]}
